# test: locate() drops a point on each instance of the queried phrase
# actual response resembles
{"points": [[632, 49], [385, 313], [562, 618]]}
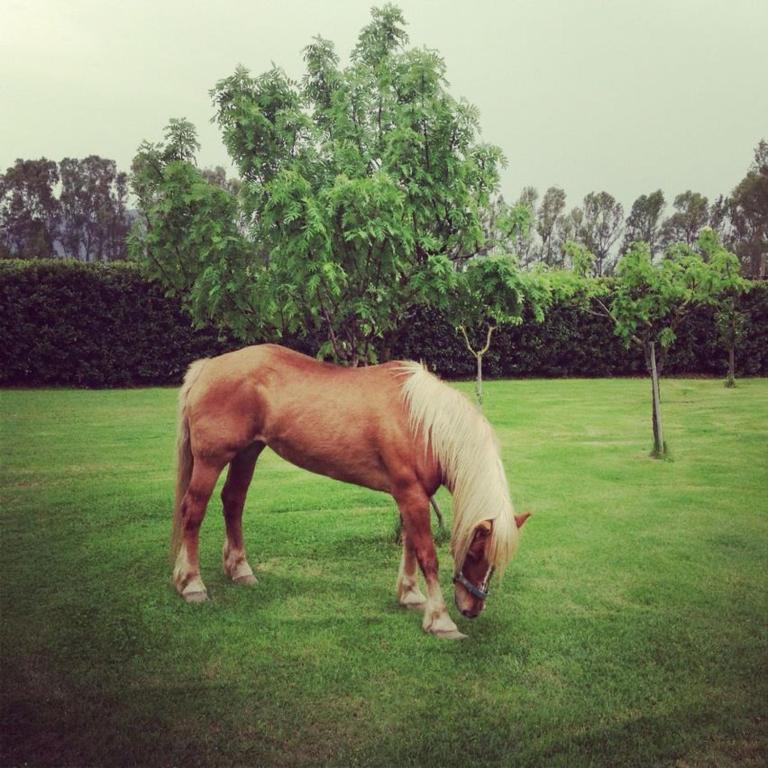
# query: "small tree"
{"points": [[646, 303], [488, 292]]}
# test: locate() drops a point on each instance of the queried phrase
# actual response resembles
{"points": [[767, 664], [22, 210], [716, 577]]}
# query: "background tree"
{"points": [[725, 290], [524, 244], [568, 229], [362, 186], [218, 176], [579, 261], [600, 227], [720, 218], [548, 217], [691, 214], [644, 222], [29, 209], [748, 213], [93, 208], [504, 227]]}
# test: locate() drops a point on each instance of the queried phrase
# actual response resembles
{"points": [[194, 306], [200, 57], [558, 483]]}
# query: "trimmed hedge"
{"points": [[571, 342], [95, 325]]}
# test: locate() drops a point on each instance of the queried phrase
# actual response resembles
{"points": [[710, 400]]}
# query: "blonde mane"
{"points": [[464, 445]]}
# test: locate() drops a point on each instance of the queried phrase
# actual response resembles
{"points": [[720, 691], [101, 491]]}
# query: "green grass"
{"points": [[629, 630]]}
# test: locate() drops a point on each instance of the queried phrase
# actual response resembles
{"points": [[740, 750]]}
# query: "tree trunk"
{"points": [[659, 446], [730, 380], [479, 380]]}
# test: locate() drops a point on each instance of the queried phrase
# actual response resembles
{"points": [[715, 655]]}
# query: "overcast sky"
{"points": [[620, 95]]}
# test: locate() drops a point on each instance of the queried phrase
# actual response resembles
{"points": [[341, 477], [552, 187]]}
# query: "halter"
{"points": [[481, 591]]}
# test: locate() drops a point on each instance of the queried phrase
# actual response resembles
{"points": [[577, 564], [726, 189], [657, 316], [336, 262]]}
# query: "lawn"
{"points": [[629, 630]]}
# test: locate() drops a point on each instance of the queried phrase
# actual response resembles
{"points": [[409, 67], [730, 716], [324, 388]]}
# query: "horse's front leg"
{"points": [[413, 504], [408, 592]]}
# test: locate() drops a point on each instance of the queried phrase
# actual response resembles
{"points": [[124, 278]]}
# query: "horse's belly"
{"points": [[358, 465]]}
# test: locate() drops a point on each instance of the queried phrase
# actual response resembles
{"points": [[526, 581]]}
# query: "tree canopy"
{"points": [[362, 187]]}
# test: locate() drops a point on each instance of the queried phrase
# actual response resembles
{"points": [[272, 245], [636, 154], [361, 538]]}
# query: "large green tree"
{"points": [[362, 186]]}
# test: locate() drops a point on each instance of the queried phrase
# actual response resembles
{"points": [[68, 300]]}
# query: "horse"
{"points": [[392, 427]]}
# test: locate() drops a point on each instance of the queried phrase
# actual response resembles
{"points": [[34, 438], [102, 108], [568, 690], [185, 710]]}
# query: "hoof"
{"points": [[240, 572], [441, 625], [413, 600], [194, 591], [195, 597]]}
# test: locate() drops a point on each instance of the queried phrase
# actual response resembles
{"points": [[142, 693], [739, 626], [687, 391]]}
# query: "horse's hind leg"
{"points": [[233, 498], [186, 573]]}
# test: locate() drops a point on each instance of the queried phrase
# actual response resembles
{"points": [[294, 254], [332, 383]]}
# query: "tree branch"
{"points": [[466, 340], [491, 329]]}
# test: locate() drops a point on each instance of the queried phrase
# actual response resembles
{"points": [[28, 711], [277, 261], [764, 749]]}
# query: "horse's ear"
{"points": [[520, 519]]}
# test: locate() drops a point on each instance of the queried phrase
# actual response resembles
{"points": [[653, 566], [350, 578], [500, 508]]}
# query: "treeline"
{"points": [[75, 208], [78, 209], [599, 223], [104, 325]]}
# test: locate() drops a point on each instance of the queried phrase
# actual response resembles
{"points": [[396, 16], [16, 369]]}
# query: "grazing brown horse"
{"points": [[392, 427]]}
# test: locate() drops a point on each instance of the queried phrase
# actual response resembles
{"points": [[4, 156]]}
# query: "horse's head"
{"points": [[473, 576]]}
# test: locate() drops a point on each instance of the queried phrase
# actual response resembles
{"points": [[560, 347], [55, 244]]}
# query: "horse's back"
{"points": [[349, 423], [289, 375]]}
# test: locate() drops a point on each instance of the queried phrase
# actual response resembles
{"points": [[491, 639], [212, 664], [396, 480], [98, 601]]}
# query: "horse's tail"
{"points": [[184, 459]]}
